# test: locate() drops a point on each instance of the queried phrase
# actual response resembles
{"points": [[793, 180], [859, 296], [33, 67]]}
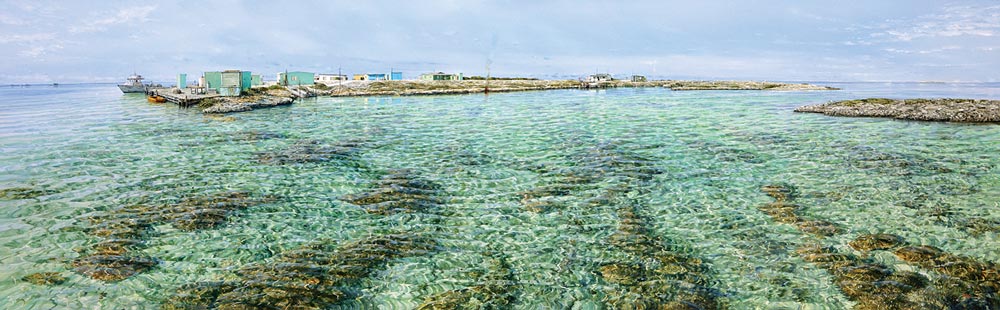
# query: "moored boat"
{"points": [[133, 84], [156, 99]]}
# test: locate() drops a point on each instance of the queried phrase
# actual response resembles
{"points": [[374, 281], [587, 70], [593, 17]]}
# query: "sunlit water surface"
{"points": [[95, 150]]}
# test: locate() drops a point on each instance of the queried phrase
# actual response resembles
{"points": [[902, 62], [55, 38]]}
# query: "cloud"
{"points": [[930, 51], [11, 20], [26, 38], [33, 45], [952, 22], [123, 16], [40, 50]]}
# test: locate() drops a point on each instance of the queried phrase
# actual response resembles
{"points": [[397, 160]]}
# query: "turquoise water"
{"points": [[90, 150]]}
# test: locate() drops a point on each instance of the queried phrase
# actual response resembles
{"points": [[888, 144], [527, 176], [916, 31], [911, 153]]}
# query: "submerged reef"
{"points": [[727, 153], [655, 275], [605, 162], [315, 276], [968, 281], [320, 275], [124, 229], [958, 282], [783, 211], [950, 110], [16, 193], [45, 278], [886, 161], [658, 278], [399, 191], [496, 290], [112, 268], [312, 151]]}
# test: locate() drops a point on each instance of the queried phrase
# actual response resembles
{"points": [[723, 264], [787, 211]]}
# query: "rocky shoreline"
{"points": [[941, 109], [419, 88], [412, 88], [229, 106], [743, 85], [278, 95], [254, 99]]}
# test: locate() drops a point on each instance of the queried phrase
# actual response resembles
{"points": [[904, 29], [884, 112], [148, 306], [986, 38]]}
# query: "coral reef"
{"points": [[783, 211], [659, 278], [311, 151], [314, 276], [15, 193], [399, 191], [124, 229], [496, 290], [963, 283], [45, 278], [112, 267]]}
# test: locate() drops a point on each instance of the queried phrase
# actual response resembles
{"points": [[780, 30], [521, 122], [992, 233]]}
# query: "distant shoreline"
{"points": [[281, 95], [165, 82]]}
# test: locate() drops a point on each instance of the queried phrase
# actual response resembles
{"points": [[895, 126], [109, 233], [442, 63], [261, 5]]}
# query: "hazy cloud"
{"points": [[930, 51], [773, 39], [123, 16], [952, 22], [11, 20], [26, 38]]}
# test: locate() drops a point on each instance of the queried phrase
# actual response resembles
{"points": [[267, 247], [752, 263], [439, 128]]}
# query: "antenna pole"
{"points": [[487, 89]]}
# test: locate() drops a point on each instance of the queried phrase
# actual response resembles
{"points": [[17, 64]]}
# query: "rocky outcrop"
{"points": [[742, 85], [278, 95], [414, 88], [240, 104], [417, 88], [947, 110]]}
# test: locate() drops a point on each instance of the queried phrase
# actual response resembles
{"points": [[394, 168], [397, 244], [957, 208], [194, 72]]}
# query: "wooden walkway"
{"points": [[187, 97]]}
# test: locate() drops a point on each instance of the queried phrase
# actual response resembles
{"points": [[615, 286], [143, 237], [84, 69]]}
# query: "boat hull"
{"points": [[132, 89]]}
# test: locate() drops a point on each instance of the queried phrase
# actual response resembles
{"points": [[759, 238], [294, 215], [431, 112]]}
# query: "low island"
{"points": [[281, 95], [941, 109]]}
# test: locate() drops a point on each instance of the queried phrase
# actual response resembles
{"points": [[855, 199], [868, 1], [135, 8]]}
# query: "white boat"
{"points": [[133, 84]]}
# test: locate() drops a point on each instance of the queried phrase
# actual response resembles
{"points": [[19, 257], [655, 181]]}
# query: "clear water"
{"points": [[97, 150]]}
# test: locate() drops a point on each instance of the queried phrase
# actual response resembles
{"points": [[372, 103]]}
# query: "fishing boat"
{"points": [[133, 84]]}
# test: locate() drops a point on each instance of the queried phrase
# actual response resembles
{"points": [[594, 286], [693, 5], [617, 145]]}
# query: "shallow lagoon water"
{"points": [[92, 150]]}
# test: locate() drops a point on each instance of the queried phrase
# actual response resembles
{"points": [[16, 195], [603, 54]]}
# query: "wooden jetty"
{"points": [[183, 97]]}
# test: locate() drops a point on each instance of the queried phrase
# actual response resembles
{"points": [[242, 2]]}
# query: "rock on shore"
{"points": [[742, 85], [416, 88], [277, 95], [237, 104], [409, 88], [949, 110]]}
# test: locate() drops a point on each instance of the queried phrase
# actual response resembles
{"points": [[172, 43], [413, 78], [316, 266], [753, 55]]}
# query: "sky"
{"points": [[887, 40]]}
